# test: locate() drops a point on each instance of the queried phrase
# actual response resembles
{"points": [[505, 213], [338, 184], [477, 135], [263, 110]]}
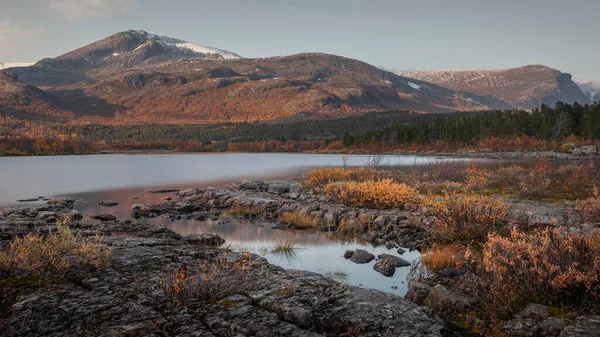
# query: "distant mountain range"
{"points": [[138, 77], [524, 87]]}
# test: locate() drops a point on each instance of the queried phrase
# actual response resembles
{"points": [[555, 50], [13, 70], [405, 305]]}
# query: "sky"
{"points": [[397, 35]]}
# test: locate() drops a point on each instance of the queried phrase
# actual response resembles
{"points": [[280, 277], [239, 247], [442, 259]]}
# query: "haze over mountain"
{"points": [[135, 77], [524, 87]]}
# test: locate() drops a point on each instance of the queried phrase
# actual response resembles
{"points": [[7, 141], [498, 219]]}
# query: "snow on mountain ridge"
{"points": [[181, 44]]}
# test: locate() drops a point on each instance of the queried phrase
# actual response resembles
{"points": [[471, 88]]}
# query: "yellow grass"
{"points": [[372, 194], [440, 257], [298, 219]]}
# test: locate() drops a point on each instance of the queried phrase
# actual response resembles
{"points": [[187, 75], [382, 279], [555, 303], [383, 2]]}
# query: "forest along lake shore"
{"points": [[145, 278]]}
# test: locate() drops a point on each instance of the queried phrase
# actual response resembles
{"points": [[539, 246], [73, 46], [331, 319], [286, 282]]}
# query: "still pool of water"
{"points": [[123, 177]]}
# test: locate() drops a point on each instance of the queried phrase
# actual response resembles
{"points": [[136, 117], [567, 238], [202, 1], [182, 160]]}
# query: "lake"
{"points": [[123, 177]]}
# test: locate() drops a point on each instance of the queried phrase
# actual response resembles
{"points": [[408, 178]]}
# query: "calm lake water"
{"points": [[121, 177]]}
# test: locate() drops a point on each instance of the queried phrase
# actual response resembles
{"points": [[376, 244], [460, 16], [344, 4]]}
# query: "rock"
{"points": [[251, 185], [28, 200], [278, 188], [348, 254], [47, 216], [165, 190], [74, 215], [401, 251], [395, 260], [135, 197], [440, 297], [551, 326], [520, 327], [107, 203], [104, 217], [204, 239], [585, 326], [362, 256], [385, 267], [417, 292], [167, 198], [451, 272], [536, 311]]}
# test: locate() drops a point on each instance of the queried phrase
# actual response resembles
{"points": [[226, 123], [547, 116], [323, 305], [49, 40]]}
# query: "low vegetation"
{"points": [[589, 208], [211, 282], [52, 256], [299, 220], [467, 218], [371, 194], [443, 256]]}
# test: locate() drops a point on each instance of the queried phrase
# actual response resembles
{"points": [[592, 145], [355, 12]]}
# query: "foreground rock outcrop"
{"points": [[128, 299]]}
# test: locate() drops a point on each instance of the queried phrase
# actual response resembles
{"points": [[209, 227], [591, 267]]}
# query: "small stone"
{"points": [[395, 260], [104, 217], [107, 203], [348, 254], [204, 239]]}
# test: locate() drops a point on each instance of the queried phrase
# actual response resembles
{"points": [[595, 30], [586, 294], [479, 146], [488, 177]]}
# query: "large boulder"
{"points": [[396, 261]]}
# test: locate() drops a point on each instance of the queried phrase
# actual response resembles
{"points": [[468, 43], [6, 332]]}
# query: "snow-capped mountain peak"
{"points": [[140, 44]]}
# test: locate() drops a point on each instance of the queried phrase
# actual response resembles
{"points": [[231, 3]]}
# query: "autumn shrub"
{"points": [[550, 266], [53, 255], [371, 194], [443, 256], [589, 208], [536, 183], [576, 181], [213, 280], [467, 218], [507, 178], [477, 179], [318, 178], [298, 219]]}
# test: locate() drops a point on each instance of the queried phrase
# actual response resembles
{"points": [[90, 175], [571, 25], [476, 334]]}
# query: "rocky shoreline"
{"points": [[127, 299]]}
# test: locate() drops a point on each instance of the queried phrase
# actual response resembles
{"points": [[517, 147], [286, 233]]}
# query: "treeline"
{"points": [[506, 128]]}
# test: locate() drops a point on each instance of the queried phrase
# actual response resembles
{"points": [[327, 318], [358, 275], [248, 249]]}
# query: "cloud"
{"points": [[11, 36], [81, 9]]}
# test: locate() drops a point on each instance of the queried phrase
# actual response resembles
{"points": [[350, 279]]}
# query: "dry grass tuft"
{"points": [[53, 255], [213, 281], [299, 220], [440, 257]]}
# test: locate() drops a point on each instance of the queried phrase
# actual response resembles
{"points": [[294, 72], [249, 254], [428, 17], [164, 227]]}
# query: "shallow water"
{"points": [[123, 177], [30, 177]]}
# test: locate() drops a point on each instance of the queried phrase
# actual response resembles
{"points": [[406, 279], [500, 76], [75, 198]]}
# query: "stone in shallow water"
{"points": [[385, 267], [395, 260], [204, 239], [104, 217], [107, 203], [362, 256]]}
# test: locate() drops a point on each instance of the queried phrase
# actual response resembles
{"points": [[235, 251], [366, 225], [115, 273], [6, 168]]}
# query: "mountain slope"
{"points": [[118, 52], [524, 87]]}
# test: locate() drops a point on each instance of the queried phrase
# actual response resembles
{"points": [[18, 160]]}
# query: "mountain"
{"points": [[118, 52], [524, 87], [24, 101], [138, 77], [591, 88], [14, 64]]}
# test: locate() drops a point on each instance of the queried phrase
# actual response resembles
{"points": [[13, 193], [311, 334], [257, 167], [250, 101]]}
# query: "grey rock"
{"points": [[348, 254], [107, 203], [520, 327], [396, 261], [440, 297], [417, 292], [278, 188], [204, 239], [385, 267], [362, 256], [551, 326], [536, 311], [104, 217], [585, 326], [47, 216], [74, 215], [164, 190]]}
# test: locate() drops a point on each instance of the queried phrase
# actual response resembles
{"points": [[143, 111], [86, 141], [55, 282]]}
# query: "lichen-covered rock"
{"points": [[385, 267], [204, 239], [396, 261]]}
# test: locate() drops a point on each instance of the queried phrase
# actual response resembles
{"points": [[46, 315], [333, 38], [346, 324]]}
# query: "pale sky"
{"points": [[392, 34]]}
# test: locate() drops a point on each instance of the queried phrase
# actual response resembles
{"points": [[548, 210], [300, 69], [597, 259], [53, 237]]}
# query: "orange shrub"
{"points": [[467, 218], [589, 209], [372, 194], [549, 266], [320, 177]]}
